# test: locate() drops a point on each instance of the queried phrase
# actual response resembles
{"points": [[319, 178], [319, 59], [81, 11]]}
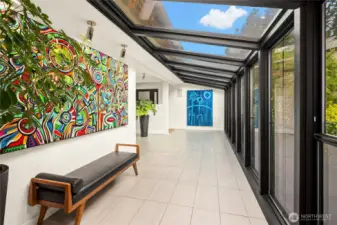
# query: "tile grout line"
{"points": [[217, 187], [241, 197], [176, 185], [196, 191], [137, 212]]}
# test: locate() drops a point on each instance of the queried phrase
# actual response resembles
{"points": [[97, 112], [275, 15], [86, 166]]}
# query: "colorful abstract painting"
{"points": [[200, 108], [104, 105]]}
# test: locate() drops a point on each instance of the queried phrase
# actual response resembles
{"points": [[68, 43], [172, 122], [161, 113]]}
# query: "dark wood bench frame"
{"points": [[68, 205]]}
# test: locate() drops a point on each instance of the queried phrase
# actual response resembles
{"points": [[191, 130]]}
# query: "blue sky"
{"points": [[187, 16]]}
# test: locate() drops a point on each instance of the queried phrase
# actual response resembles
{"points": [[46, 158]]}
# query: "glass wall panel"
{"points": [[330, 152], [330, 184], [230, 111], [233, 112], [242, 118], [226, 108], [236, 109], [255, 132], [282, 126], [331, 68]]}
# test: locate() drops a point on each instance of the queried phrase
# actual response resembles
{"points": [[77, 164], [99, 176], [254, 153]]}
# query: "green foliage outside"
{"points": [[331, 93], [331, 69], [144, 107]]}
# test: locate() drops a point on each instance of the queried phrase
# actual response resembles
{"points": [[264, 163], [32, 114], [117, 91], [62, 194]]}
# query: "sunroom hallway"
{"points": [[186, 178]]}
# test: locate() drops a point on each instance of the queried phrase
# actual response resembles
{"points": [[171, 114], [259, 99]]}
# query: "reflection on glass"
{"points": [[200, 48], [283, 114], [202, 63], [255, 86], [144, 95], [235, 110], [242, 118], [230, 112], [234, 113], [221, 19], [330, 152], [330, 184], [331, 68]]}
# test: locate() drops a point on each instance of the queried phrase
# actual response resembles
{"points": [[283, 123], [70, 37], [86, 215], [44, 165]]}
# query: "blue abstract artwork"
{"points": [[200, 108]]}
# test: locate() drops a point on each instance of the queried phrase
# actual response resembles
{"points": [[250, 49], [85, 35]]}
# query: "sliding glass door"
{"points": [[330, 149], [282, 123], [254, 116], [242, 115], [235, 110]]}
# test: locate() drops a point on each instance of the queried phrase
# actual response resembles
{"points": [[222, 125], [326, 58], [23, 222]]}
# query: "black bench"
{"points": [[70, 192]]}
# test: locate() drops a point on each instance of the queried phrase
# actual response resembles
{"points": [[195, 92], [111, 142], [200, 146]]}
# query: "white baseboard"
{"points": [[157, 132], [199, 128]]}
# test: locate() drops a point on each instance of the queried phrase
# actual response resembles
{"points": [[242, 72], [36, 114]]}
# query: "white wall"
{"points": [[159, 123], [60, 158], [178, 114]]}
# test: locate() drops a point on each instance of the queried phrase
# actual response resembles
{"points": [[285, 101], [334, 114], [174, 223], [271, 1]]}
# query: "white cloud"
{"points": [[222, 20]]}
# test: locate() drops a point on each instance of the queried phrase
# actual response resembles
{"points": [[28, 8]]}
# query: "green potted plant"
{"points": [[3, 191], [143, 109]]}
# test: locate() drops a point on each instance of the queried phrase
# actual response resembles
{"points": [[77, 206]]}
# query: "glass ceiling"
{"points": [[202, 63], [207, 20], [200, 48], [243, 21]]}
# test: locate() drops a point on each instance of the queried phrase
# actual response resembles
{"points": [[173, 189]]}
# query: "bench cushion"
{"points": [[75, 183], [93, 175]]}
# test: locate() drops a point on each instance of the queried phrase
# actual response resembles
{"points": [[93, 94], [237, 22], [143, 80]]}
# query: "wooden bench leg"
{"points": [[79, 214], [135, 168], [43, 211]]}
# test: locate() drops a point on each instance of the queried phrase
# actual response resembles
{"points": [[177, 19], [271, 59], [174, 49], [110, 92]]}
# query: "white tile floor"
{"points": [[186, 178]]}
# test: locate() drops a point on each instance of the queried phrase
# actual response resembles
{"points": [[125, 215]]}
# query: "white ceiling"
{"points": [[147, 79], [72, 16]]}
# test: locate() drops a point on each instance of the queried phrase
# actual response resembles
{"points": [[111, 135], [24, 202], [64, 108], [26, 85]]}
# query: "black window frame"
{"points": [[153, 92]]}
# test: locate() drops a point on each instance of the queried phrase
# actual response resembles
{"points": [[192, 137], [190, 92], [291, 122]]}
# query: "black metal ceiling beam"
{"points": [[204, 84], [204, 78], [206, 81], [203, 74], [278, 29], [198, 56], [199, 37], [201, 68], [285, 4], [252, 59]]}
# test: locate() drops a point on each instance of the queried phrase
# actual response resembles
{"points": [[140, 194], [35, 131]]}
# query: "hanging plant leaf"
{"points": [[5, 100], [13, 97], [8, 117], [8, 43]]}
